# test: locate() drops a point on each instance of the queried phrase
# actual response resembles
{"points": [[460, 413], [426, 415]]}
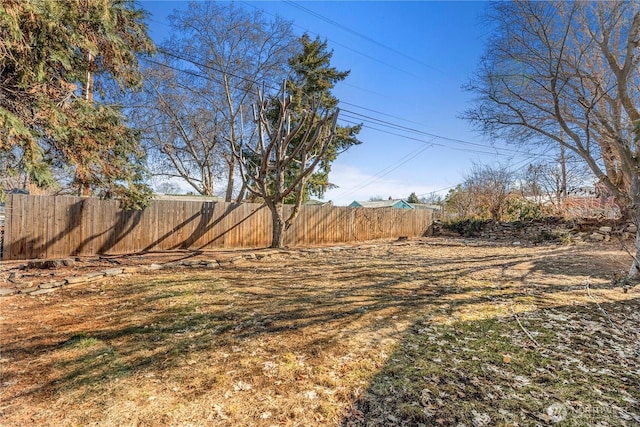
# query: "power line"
{"points": [[384, 172], [392, 127], [362, 36], [360, 116], [344, 46], [354, 114]]}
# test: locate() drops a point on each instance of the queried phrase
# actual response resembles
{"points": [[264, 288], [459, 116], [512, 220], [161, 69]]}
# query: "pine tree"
{"points": [[313, 78], [51, 53], [413, 198]]}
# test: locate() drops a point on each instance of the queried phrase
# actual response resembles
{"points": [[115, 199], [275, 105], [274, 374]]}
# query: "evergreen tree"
{"points": [[51, 53], [312, 79], [413, 198]]}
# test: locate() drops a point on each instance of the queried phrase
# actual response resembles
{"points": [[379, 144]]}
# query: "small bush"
{"points": [[467, 227], [519, 209], [562, 237]]}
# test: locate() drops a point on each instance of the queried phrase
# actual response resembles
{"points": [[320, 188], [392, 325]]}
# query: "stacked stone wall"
{"points": [[553, 229]]}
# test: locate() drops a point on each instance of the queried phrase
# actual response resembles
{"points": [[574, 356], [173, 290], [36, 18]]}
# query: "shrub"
{"points": [[467, 227], [520, 209]]}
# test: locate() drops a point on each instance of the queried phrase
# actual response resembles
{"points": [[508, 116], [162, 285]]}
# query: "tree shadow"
{"points": [[154, 323], [82, 232], [537, 368]]}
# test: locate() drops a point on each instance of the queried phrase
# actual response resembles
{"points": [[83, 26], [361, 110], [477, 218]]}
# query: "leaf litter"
{"points": [[430, 332]]}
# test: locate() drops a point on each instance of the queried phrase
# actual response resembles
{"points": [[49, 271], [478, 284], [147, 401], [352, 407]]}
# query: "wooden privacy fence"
{"points": [[59, 226]]}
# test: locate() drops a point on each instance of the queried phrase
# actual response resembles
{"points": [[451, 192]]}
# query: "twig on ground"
{"points": [[624, 246], [600, 307], [523, 328]]}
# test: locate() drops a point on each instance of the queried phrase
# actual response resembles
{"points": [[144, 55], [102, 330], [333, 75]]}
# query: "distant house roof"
{"points": [[426, 206], [312, 202], [188, 197], [396, 203]]}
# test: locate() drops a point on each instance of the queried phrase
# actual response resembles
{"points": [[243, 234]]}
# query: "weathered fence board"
{"points": [[50, 226]]}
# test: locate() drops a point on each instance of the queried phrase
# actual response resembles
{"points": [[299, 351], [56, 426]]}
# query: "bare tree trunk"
{"points": [[277, 240], [85, 189], [242, 193], [88, 89], [634, 271], [230, 179], [634, 211]]}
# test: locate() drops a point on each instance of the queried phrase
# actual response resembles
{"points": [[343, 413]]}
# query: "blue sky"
{"points": [[408, 61]]}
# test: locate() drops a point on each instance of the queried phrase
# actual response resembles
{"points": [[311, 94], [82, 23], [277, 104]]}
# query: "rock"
{"points": [[631, 228], [51, 263], [155, 267], [516, 243], [28, 290], [42, 291], [173, 264], [605, 229], [42, 264], [51, 284], [95, 274], [213, 265], [91, 277], [76, 279], [131, 270], [5, 292], [113, 271], [597, 237]]}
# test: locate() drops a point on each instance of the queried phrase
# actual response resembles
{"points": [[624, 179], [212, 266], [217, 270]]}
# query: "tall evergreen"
{"points": [[53, 56], [312, 79]]}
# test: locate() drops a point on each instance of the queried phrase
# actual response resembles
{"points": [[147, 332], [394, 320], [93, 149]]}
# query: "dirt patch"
{"points": [[429, 332]]}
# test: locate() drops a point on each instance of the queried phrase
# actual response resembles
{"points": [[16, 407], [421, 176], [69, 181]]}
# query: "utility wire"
{"points": [[362, 36], [354, 115], [344, 46], [366, 119], [384, 172]]}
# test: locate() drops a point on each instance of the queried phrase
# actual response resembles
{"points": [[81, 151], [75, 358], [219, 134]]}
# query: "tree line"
{"points": [[567, 74], [230, 101], [234, 103]]}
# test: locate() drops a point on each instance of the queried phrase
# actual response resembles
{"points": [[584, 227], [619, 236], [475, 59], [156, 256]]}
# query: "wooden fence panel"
{"points": [[50, 227]]}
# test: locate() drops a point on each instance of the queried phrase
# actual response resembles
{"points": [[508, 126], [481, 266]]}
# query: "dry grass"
{"points": [[427, 333]]}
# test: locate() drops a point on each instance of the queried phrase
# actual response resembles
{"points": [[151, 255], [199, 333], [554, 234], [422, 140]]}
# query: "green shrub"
{"points": [[520, 209], [467, 227]]}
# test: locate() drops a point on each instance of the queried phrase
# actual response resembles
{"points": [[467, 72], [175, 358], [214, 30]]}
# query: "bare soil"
{"points": [[434, 331]]}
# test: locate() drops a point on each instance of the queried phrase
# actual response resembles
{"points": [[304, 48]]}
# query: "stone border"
{"points": [[96, 276]]}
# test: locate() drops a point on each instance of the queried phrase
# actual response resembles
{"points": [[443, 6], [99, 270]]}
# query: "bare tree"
{"points": [[202, 83], [432, 198], [567, 73], [460, 201], [287, 151], [181, 129], [548, 183], [490, 187]]}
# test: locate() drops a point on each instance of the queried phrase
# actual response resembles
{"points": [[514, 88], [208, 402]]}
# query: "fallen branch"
{"points": [[523, 328], [600, 308], [624, 246]]}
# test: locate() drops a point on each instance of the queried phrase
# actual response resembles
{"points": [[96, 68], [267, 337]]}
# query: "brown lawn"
{"points": [[429, 332]]}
